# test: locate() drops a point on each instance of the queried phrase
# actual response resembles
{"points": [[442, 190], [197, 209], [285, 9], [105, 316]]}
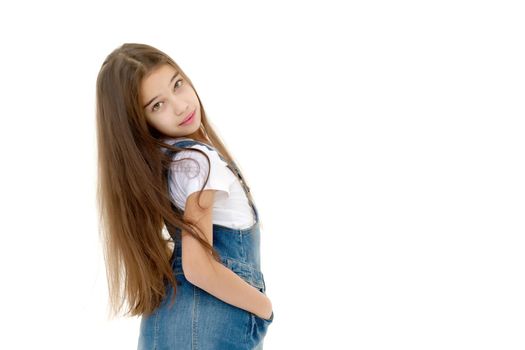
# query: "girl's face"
{"points": [[168, 102]]}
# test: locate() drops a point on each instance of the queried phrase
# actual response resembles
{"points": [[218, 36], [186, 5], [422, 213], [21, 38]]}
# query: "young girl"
{"points": [[162, 165]]}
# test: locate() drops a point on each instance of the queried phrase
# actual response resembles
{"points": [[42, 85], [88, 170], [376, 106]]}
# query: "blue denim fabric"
{"points": [[199, 320]]}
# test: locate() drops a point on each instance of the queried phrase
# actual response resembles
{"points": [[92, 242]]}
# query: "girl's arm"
{"points": [[203, 271]]}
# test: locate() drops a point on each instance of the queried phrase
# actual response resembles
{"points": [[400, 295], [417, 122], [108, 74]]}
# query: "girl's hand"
{"points": [[268, 309]]}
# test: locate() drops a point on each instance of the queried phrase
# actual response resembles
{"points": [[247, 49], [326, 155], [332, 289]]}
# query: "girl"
{"points": [[160, 164]]}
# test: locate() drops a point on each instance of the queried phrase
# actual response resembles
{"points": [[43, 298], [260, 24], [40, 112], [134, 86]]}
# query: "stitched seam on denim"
{"points": [[194, 317], [253, 324], [156, 328], [243, 252], [248, 324]]}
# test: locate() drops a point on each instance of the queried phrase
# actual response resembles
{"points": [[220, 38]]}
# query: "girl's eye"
{"points": [[153, 109], [175, 86]]}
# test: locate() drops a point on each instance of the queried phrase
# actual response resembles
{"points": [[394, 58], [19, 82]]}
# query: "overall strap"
{"points": [[233, 167]]}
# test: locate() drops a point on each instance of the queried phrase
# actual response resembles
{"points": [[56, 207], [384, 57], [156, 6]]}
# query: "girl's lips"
{"points": [[189, 119]]}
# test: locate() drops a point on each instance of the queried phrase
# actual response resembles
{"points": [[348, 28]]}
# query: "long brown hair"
{"points": [[132, 190]]}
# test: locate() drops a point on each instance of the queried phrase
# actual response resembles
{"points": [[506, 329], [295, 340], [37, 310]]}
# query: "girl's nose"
{"points": [[179, 106]]}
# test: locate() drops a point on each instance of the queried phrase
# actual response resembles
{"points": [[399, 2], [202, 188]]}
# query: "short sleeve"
{"points": [[190, 170]]}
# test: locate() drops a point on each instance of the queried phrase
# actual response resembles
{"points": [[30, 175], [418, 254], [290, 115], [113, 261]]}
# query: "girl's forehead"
{"points": [[160, 73], [158, 78]]}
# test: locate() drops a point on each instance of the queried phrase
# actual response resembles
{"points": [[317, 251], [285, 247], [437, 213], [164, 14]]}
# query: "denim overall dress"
{"points": [[198, 320]]}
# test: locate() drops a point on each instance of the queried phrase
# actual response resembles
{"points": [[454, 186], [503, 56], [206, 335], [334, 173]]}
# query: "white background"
{"points": [[383, 142]]}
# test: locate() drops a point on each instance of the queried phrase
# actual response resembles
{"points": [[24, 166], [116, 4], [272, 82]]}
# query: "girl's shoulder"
{"points": [[209, 150]]}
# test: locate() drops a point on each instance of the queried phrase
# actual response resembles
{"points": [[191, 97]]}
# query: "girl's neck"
{"points": [[197, 136]]}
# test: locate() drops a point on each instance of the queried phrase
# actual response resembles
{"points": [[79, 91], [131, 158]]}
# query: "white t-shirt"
{"points": [[231, 207]]}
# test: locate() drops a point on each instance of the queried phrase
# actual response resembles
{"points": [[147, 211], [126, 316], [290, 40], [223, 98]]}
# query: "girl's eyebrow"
{"points": [[173, 77]]}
